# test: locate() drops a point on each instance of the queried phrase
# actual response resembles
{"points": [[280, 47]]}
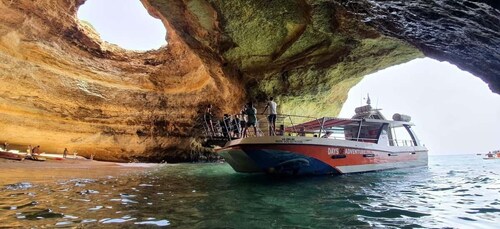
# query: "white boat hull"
{"points": [[306, 155]]}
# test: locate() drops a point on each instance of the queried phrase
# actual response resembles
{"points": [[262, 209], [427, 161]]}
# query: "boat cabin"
{"points": [[367, 125], [392, 133]]}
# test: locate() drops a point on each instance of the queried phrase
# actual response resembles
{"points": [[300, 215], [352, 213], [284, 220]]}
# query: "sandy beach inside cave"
{"points": [[12, 171]]}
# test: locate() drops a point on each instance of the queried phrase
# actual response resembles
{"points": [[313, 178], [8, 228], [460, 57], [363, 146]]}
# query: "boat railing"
{"points": [[286, 120], [397, 142], [282, 122], [368, 140], [227, 129]]}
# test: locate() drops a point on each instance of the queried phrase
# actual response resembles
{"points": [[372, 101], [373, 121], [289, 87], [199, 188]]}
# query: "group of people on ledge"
{"points": [[236, 126]]}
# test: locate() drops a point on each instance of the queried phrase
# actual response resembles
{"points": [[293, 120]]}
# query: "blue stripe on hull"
{"points": [[282, 162]]}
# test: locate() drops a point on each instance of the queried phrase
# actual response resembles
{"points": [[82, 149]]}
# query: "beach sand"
{"points": [[12, 172]]}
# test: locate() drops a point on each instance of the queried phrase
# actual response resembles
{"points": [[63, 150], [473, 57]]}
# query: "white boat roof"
{"points": [[364, 114], [329, 122]]}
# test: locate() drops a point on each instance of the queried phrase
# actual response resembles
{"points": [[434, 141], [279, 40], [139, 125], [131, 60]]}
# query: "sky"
{"points": [[454, 111], [125, 23]]}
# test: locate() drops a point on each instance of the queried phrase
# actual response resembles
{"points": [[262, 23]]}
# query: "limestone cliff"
{"points": [[61, 86]]}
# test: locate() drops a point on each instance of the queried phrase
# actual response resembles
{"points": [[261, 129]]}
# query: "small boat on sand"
{"points": [[12, 155], [366, 142], [36, 158], [495, 154], [20, 156]]}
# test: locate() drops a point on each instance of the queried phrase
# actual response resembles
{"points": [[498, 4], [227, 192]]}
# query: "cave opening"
{"points": [[126, 24], [454, 111]]}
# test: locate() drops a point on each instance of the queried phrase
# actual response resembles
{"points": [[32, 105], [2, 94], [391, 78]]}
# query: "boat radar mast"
{"points": [[367, 112]]}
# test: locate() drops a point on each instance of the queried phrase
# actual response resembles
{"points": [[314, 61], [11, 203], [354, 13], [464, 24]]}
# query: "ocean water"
{"points": [[460, 191]]}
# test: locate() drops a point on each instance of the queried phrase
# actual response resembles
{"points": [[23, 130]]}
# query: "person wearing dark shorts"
{"points": [[251, 113], [272, 116], [243, 124]]}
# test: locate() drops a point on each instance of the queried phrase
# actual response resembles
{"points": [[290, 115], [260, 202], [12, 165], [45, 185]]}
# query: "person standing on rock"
{"points": [[272, 116], [65, 152], [5, 146]]}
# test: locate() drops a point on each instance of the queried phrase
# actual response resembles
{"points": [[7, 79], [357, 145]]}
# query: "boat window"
{"points": [[401, 136], [384, 136], [368, 132], [351, 132]]}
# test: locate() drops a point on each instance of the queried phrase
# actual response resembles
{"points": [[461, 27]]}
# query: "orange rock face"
{"points": [[60, 87]]}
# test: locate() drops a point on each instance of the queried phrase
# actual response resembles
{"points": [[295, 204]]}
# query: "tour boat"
{"points": [[366, 142]]}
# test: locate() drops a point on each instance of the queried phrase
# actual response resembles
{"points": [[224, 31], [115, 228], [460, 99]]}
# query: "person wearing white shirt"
{"points": [[272, 116]]}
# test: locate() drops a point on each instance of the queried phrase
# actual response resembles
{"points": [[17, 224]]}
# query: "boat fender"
{"points": [[401, 117]]}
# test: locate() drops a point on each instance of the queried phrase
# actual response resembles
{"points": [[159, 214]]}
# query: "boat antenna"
{"points": [[368, 101]]}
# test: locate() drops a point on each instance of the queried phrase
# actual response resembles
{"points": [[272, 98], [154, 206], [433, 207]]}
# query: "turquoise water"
{"points": [[453, 191]]}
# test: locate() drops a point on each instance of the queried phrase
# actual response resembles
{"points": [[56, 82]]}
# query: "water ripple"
{"points": [[458, 193], [19, 186]]}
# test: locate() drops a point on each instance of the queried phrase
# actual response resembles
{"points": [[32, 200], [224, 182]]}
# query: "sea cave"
{"points": [[62, 86]]}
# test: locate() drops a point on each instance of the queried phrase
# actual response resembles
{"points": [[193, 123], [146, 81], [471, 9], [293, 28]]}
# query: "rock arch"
{"points": [[63, 87]]}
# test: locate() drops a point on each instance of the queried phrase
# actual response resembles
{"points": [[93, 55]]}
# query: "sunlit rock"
{"points": [[61, 86]]}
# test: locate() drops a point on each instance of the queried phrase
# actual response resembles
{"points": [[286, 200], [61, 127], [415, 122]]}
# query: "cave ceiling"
{"points": [[465, 33], [61, 86]]}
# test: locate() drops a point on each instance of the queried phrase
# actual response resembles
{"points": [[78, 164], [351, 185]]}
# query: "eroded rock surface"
{"points": [[63, 87], [463, 32]]}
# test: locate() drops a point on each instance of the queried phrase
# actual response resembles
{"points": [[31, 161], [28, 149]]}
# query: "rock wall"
{"points": [[463, 32], [61, 86], [308, 54]]}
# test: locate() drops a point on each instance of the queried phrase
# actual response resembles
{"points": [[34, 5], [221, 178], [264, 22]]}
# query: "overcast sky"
{"points": [[454, 111], [125, 23]]}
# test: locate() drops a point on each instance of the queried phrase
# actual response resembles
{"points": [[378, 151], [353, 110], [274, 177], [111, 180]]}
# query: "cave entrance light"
{"points": [[454, 111], [125, 23]]}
